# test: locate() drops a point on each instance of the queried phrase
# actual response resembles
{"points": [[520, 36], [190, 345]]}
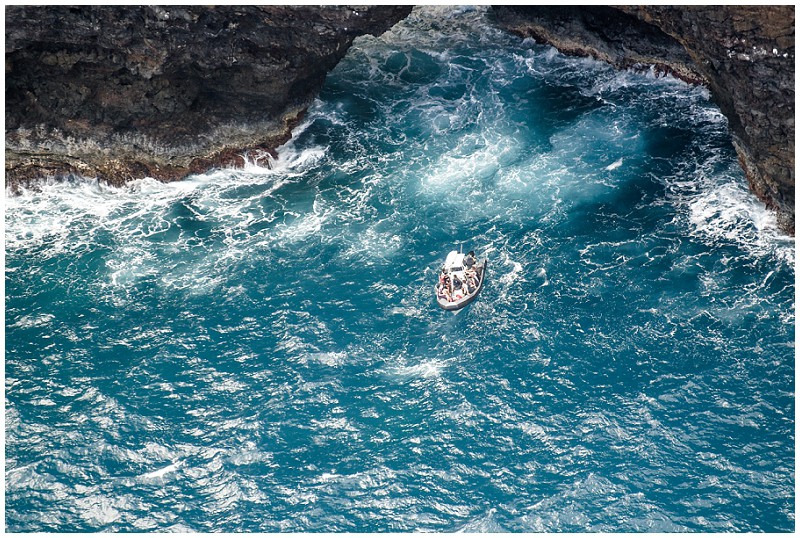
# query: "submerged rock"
{"points": [[127, 92], [744, 54]]}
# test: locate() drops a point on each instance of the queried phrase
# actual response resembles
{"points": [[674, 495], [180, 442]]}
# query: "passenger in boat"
{"points": [[472, 279], [469, 260], [444, 293], [456, 282], [445, 282]]}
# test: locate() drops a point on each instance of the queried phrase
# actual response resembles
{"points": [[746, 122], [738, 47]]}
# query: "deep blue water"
{"points": [[260, 349]]}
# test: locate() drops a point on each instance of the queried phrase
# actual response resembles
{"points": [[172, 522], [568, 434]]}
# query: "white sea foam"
{"points": [[332, 358], [512, 275], [409, 311], [486, 523], [374, 246], [426, 369], [719, 208], [97, 510], [159, 473], [67, 217], [731, 214], [29, 321]]}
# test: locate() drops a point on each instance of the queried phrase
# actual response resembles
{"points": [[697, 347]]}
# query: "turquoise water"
{"points": [[260, 349]]}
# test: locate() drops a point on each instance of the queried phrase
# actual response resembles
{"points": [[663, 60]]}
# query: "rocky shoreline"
{"points": [[125, 92], [743, 54]]}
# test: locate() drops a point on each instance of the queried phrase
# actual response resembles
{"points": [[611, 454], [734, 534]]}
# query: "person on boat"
{"points": [[469, 259], [472, 279], [445, 282], [469, 287], [456, 282], [444, 293]]}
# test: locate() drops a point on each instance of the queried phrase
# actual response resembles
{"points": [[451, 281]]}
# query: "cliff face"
{"points": [[124, 92], [744, 54]]}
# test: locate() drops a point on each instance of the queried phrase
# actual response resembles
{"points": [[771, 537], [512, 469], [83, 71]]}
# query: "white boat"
{"points": [[460, 280]]}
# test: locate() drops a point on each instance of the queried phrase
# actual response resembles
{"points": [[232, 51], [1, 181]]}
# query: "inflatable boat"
{"points": [[460, 280]]}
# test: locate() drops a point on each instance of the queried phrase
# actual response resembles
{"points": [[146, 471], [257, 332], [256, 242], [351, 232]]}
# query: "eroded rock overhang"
{"points": [[744, 54], [123, 92]]}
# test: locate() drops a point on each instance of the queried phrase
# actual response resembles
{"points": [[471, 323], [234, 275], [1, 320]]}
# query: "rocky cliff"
{"points": [[744, 54], [134, 91]]}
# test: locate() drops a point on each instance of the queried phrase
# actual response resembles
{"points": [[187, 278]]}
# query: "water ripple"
{"points": [[259, 349]]}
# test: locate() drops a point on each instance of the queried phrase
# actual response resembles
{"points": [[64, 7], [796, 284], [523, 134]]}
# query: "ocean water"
{"points": [[260, 350]]}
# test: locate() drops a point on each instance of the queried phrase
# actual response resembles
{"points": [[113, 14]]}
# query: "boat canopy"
{"points": [[454, 261]]}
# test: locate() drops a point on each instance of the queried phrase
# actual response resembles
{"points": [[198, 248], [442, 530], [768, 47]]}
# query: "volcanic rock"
{"points": [[743, 54], [122, 92]]}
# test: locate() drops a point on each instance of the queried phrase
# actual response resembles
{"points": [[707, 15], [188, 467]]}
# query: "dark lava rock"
{"points": [[744, 54], [132, 91]]}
